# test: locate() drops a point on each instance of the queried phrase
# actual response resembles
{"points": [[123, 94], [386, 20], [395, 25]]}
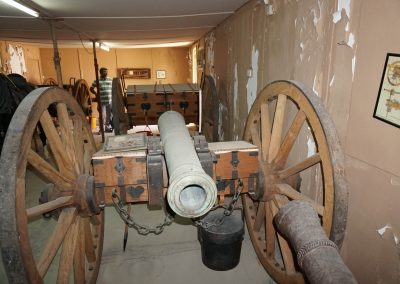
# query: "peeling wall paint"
{"points": [[332, 80], [235, 95], [351, 41], [315, 83], [318, 22], [252, 81], [342, 5], [210, 43], [222, 111], [17, 59], [301, 54], [311, 148], [395, 181]]}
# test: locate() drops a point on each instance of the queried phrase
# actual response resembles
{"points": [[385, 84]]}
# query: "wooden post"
{"points": [[57, 58], [96, 70]]}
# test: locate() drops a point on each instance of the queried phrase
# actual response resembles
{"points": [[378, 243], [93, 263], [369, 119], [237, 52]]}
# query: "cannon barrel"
{"points": [[318, 257], [191, 192]]}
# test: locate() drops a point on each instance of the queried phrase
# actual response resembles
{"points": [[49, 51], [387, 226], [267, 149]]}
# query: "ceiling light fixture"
{"points": [[168, 44], [127, 44], [21, 7], [102, 46]]}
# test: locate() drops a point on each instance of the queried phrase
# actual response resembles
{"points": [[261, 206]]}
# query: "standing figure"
{"points": [[105, 84]]}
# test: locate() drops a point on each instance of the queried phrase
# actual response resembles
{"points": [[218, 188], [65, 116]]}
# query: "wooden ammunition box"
{"points": [[235, 160], [122, 165], [186, 103], [124, 171], [145, 103]]}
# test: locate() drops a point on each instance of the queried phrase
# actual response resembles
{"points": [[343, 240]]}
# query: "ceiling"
{"points": [[117, 23]]}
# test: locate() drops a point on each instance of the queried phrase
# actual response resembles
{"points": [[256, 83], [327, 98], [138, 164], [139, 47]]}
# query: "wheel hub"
{"points": [[86, 196]]}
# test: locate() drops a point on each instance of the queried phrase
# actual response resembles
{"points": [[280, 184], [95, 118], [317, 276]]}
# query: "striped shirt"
{"points": [[105, 85]]}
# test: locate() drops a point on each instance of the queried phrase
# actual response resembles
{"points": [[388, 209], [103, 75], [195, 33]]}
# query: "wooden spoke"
{"points": [[66, 218], [277, 127], [79, 256], [87, 159], [286, 252], [265, 131], [57, 147], [67, 253], [78, 141], [49, 171], [260, 217], [270, 233], [255, 136], [49, 206], [289, 140], [309, 162], [290, 192], [89, 245], [95, 220], [66, 134]]}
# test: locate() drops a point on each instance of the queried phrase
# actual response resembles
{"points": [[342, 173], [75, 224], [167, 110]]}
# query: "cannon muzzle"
{"points": [[191, 192]]}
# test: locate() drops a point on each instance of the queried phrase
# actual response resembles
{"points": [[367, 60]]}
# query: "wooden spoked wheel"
{"points": [[51, 224], [82, 95], [300, 158], [50, 81]]}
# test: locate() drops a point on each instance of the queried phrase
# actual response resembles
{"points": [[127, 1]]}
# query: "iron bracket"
{"points": [[155, 173]]}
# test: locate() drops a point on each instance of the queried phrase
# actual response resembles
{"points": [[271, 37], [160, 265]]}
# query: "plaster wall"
{"points": [[78, 63], [372, 154], [338, 49], [252, 49]]}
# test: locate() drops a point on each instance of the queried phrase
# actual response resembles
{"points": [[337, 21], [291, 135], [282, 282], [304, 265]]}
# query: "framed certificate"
{"points": [[161, 74], [387, 107]]}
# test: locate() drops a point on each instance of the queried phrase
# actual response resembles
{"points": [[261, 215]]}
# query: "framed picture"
{"points": [[161, 74], [387, 107], [135, 73]]}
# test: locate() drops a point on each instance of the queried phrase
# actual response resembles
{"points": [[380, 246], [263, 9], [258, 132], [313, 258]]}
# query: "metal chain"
{"points": [[228, 209], [131, 223]]}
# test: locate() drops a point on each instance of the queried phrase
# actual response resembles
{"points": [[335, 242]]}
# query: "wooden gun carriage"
{"points": [[292, 153]]}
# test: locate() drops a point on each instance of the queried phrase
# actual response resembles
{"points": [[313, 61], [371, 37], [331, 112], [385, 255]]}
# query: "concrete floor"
{"points": [[171, 257]]}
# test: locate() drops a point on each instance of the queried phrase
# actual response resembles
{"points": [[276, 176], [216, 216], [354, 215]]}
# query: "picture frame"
{"points": [[161, 74], [135, 73], [387, 107]]}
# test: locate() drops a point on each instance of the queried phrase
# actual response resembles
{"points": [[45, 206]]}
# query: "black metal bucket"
{"points": [[221, 244]]}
